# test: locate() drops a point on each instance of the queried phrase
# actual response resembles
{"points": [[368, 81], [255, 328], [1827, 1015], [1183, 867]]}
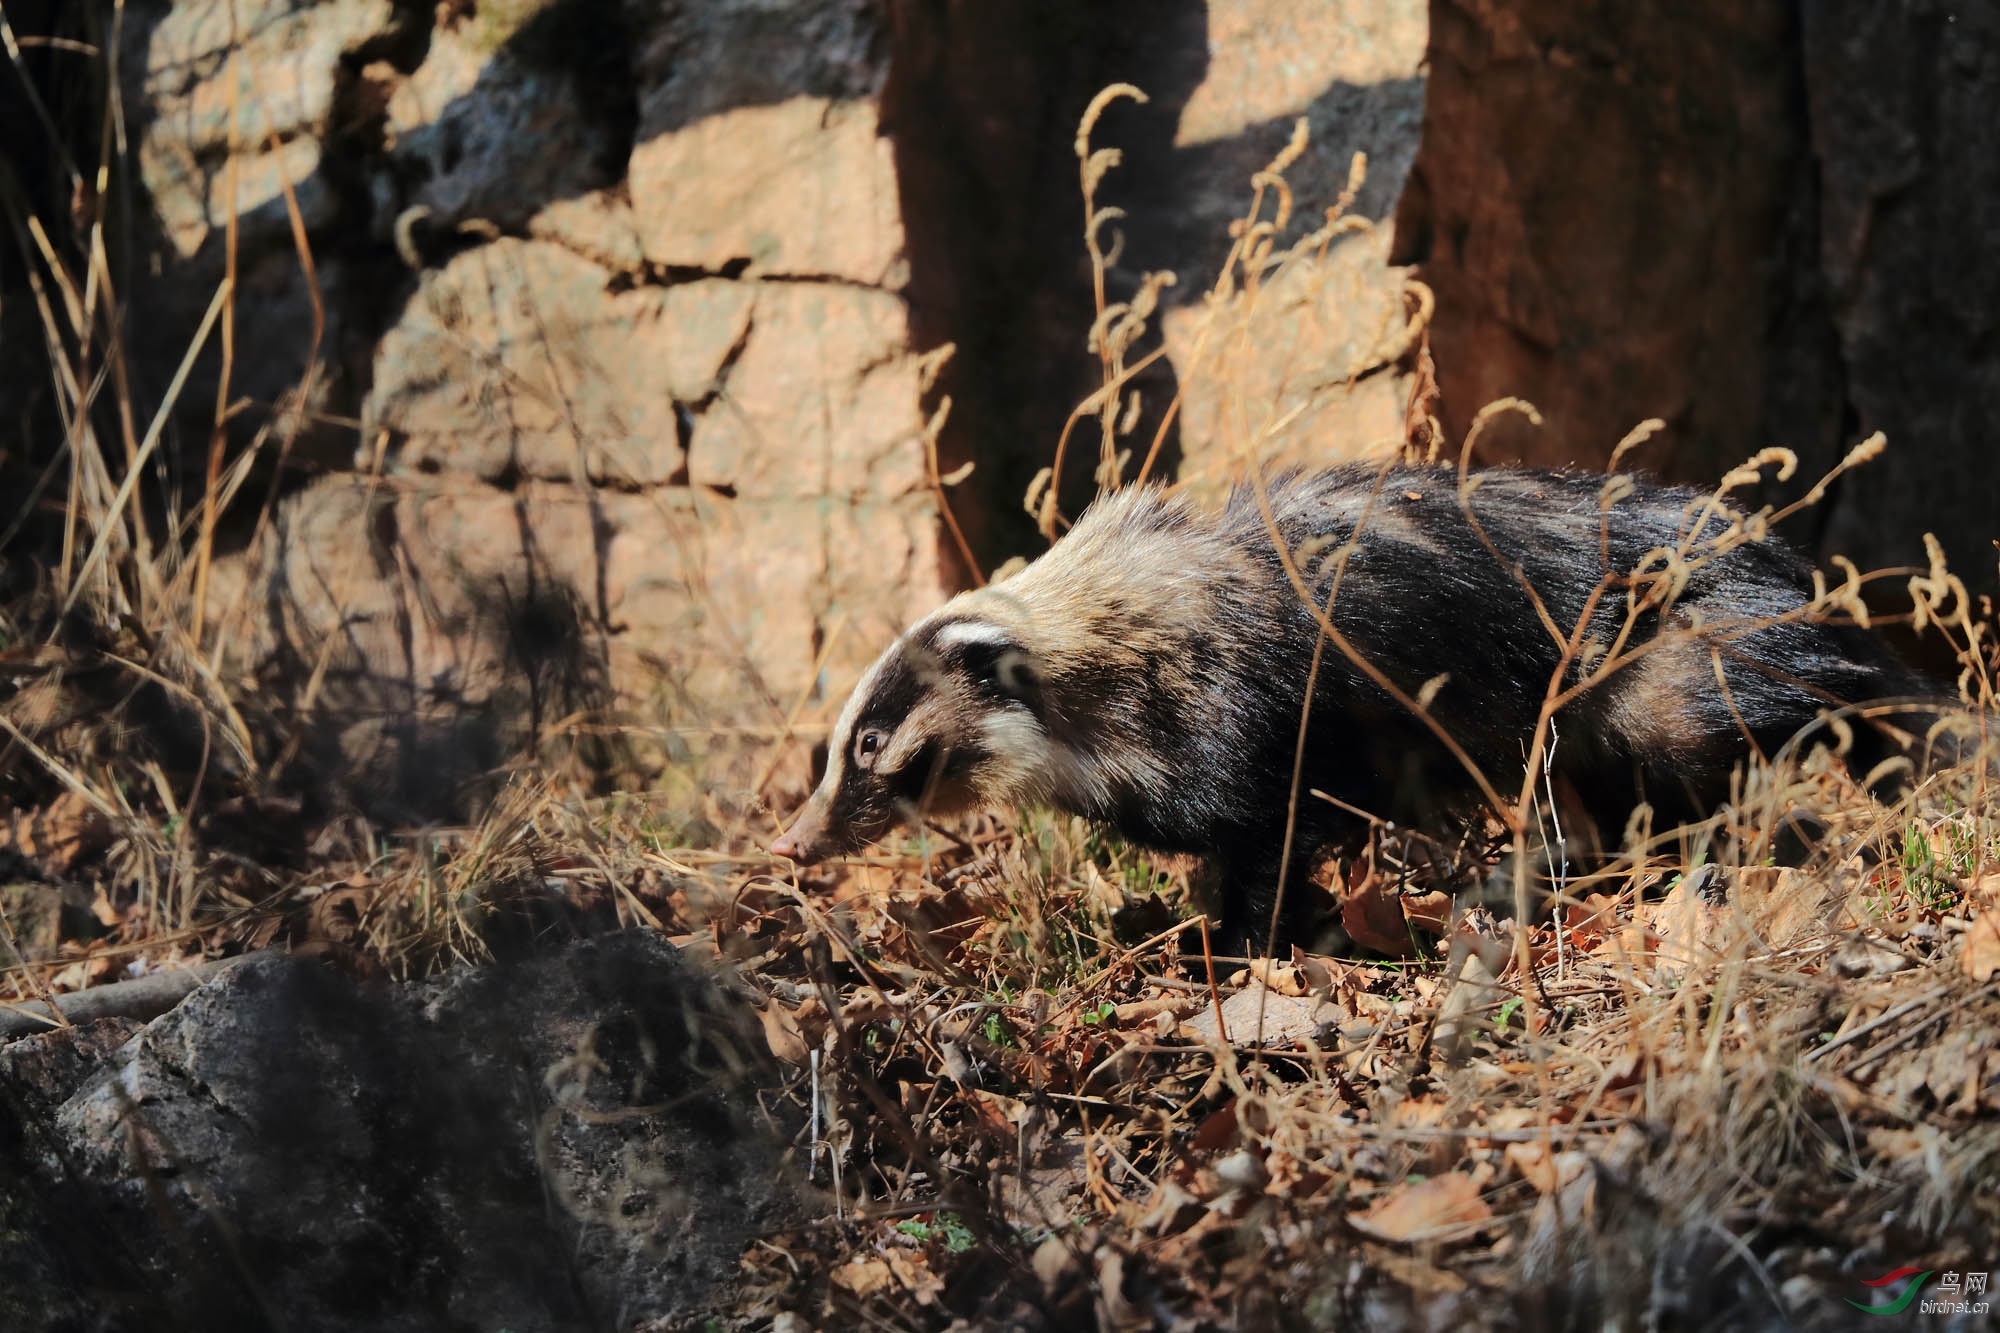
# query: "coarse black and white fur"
{"points": [[1149, 671]]}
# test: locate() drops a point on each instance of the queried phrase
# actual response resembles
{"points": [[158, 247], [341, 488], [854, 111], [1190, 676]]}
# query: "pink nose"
{"points": [[784, 846]]}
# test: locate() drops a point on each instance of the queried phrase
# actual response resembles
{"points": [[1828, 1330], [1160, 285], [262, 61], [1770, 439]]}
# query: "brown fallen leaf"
{"points": [[1421, 1209], [1591, 920], [1980, 954], [59, 836], [863, 1278], [1371, 911], [1428, 911], [1284, 978], [1690, 926], [1547, 1171], [1000, 1116], [781, 1033], [1284, 1017]]}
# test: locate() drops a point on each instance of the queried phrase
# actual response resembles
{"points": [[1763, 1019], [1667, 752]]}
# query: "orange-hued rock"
{"points": [[820, 400], [518, 358], [805, 187], [1595, 205], [454, 617]]}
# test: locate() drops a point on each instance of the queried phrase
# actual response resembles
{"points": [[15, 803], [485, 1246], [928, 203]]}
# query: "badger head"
{"points": [[950, 718]]}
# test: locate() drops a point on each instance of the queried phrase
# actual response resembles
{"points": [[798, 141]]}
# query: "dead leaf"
{"points": [[1055, 1265], [57, 837], [1424, 1208], [1690, 926], [336, 915], [781, 1033], [1145, 1011], [913, 1270], [1283, 978], [1218, 1130], [1000, 1116], [1980, 954], [1285, 1017], [863, 1278], [1548, 1171], [1423, 1280], [1781, 904], [1591, 920], [1465, 1008], [1371, 911], [1428, 911]]}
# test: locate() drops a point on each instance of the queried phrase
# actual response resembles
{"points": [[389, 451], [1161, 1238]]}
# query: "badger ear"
{"points": [[1013, 673], [994, 663]]}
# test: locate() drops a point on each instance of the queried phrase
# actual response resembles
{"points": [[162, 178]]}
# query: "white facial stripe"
{"points": [[972, 631], [1017, 764], [840, 741]]}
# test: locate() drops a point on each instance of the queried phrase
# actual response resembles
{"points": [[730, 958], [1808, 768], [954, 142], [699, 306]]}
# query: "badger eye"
{"points": [[867, 746]]}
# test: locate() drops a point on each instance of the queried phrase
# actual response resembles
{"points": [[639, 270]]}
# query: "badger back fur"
{"points": [[1149, 671]]}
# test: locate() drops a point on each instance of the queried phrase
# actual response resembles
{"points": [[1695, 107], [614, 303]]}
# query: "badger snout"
{"points": [[807, 841]]}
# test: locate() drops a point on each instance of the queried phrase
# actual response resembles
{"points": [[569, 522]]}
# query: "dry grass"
{"points": [[1686, 1088]]}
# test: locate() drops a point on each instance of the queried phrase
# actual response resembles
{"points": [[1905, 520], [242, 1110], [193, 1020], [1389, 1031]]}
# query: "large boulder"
{"points": [[562, 1143]]}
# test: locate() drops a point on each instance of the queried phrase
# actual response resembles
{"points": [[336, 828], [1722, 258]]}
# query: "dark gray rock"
{"points": [[568, 1142]]}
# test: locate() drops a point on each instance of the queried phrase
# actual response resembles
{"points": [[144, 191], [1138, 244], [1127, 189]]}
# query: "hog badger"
{"points": [[1149, 671]]}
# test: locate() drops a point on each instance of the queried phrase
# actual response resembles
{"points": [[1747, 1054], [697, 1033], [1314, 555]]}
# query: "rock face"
{"points": [[1763, 223], [982, 103], [616, 293], [1595, 204], [565, 1143], [1900, 101], [631, 304], [1315, 352]]}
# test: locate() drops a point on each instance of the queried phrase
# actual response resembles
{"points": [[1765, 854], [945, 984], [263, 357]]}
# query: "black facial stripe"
{"points": [[962, 759], [915, 778], [895, 694]]}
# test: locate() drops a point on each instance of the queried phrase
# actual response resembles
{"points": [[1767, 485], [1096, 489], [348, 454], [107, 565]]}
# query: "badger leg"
{"points": [[1248, 868]]}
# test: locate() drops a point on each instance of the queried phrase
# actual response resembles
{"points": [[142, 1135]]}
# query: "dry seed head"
{"points": [[1430, 689], [1294, 148], [934, 427], [1104, 98], [1357, 176], [1929, 592], [932, 363], [1096, 223], [1414, 327], [1111, 468], [1866, 451], [1751, 471], [1131, 417], [1283, 191], [1486, 414], [1097, 165], [1848, 595], [1041, 494], [1635, 437]]}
